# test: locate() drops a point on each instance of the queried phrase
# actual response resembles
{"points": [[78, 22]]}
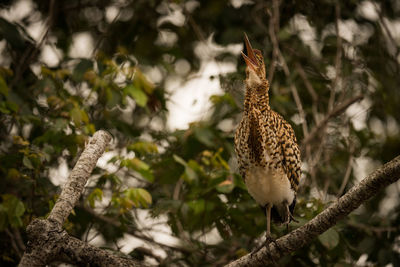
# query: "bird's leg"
{"points": [[268, 236], [289, 215]]}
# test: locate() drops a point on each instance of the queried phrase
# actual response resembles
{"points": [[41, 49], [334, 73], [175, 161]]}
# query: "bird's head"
{"points": [[255, 70]]}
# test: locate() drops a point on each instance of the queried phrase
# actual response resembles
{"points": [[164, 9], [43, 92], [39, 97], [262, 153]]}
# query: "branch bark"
{"points": [[48, 242], [368, 187], [80, 174]]}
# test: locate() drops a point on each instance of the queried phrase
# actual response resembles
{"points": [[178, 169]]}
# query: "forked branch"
{"points": [[48, 242]]}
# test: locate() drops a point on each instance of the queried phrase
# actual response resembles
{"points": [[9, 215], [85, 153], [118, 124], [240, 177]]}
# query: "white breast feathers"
{"points": [[269, 186]]}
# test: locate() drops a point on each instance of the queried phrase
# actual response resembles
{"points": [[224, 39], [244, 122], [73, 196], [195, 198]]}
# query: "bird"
{"points": [[266, 146]]}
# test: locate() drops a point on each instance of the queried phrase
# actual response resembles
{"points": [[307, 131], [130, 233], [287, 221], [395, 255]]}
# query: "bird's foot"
{"points": [[290, 218], [268, 240]]}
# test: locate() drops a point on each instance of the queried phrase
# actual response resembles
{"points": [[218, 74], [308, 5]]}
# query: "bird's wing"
{"points": [[240, 147], [250, 141], [291, 154], [255, 140]]}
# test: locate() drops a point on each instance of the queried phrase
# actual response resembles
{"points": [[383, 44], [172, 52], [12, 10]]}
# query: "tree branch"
{"points": [[339, 109], [276, 49], [134, 232], [368, 187], [80, 174], [49, 242]]}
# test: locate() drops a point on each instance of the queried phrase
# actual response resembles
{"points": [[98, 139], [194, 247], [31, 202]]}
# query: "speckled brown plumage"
{"points": [[266, 146]]}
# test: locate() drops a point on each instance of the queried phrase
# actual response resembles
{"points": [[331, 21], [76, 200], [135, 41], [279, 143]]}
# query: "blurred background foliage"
{"points": [[173, 196]]}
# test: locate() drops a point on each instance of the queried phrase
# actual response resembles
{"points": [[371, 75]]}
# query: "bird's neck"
{"points": [[258, 97]]}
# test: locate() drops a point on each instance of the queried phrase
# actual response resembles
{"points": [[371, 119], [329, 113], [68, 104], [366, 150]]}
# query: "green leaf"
{"points": [[143, 147], [140, 81], [76, 116], [81, 68], [13, 174], [144, 197], [179, 160], [139, 197], [12, 106], [137, 94], [18, 140], [10, 32], [113, 97], [3, 218], [225, 187], [3, 87], [90, 129], [14, 208], [205, 136], [330, 239], [197, 206], [19, 207], [96, 194], [27, 162], [217, 99], [139, 166], [84, 116], [3, 108], [60, 124], [189, 175], [238, 181]]}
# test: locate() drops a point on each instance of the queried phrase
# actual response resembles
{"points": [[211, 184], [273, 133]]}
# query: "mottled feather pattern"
{"points": [[267, 150], [278, 147], [264, 138], [288, 149]]}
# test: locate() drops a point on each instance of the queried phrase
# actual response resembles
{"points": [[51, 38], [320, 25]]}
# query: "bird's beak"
{"points": [[250, 58]]}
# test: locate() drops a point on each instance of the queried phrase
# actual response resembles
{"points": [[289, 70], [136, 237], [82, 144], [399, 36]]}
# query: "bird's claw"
{"points": [[290, 218], [268, 240]]}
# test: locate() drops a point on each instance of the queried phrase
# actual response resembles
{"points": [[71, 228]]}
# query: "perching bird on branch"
{"points": [[266, 146]]}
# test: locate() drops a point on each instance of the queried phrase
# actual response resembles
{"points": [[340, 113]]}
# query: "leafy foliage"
{"points": [[186, 179]]}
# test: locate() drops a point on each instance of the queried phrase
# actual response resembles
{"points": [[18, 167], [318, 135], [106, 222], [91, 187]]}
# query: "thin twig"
{"points": [[13, 243], [18, 239], [310, 90], [131, 230], [293, 89], [33, 50], [375, 229], [334, 113], [338, 59], [347, 173], [386, 29], [307, 82]]}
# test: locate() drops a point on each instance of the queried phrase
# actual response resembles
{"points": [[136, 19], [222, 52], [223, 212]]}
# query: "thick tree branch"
{"points": [[48, 242], [80, 174], [376, 181]]}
